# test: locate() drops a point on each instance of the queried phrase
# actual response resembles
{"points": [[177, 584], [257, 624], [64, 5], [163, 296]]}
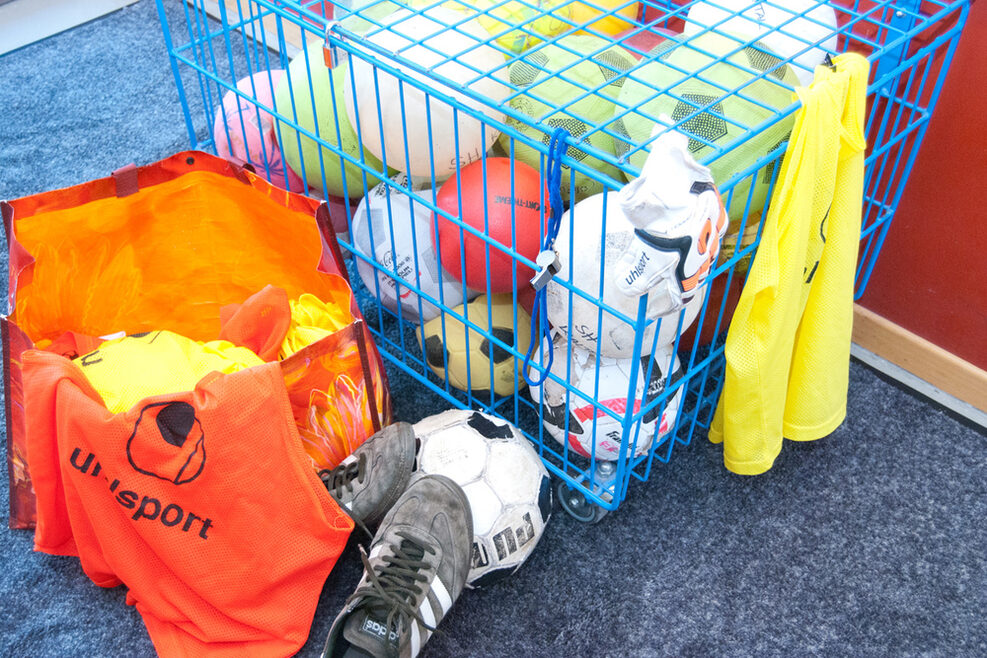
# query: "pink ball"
{"points": [[248, 132]]}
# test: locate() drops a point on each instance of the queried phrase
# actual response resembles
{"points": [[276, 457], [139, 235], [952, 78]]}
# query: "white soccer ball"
{"points": [[613, 338], [786, 30], [507, 485], [603, 441], [401, 242], [402, 126]]}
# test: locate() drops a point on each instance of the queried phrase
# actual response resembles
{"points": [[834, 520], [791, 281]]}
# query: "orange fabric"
{"points": [[259, 324], [135, 270], [202, 503], [70, 344]]}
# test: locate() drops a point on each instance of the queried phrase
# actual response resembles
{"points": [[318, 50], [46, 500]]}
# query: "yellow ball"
{"points": [[470, 360], [516, 25], [554, 79], [617, 17]]}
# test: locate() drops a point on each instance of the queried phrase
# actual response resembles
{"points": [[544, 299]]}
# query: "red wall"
{"points": [[931, 276]]}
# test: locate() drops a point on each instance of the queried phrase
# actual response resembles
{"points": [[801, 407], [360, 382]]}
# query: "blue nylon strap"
{"points": [[539, 323]]}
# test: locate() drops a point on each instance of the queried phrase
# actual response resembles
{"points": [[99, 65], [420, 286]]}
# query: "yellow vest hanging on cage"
{"points": [[788, 347]]}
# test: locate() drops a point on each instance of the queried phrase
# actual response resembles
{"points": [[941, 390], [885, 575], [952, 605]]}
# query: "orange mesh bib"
{"points": [[203, 503]]}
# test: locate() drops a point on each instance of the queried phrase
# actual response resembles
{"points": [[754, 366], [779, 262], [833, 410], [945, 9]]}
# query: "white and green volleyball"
{"points": [[571, 83], [310, 97], [728, 98]]}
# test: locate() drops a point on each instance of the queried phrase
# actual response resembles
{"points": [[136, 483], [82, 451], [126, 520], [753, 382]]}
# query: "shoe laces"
{"points": [[394, 588], [340, 480]]}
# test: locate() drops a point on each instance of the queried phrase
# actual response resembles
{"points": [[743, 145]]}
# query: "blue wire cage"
{"points": [[525, 80]]}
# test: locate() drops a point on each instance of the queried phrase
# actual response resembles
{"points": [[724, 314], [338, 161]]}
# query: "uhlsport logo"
{"points": [[150, 508], [168, 443]]}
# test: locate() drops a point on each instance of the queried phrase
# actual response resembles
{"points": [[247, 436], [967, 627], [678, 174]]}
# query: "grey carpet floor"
{"points": [[871, 542]]}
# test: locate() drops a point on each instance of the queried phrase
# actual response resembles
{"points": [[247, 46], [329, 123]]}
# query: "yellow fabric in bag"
{"points": [[126, 370], [788, 347], [311, 320]]}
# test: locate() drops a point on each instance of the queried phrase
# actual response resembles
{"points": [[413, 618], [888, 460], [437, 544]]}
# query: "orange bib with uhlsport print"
{"points": [[203, 503]]}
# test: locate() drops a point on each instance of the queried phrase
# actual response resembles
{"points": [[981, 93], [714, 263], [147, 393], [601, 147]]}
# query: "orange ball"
{"points": [[499, 200]]}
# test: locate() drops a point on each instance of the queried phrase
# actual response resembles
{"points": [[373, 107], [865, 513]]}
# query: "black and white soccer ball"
{"points": [[468, 359], [581, 422], [508, 487]]}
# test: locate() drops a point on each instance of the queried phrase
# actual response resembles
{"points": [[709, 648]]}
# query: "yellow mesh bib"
{"points": [[788, 347]]}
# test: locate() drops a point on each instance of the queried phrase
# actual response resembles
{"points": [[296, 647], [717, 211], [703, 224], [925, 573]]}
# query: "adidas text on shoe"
{"points": [[416, 569]]}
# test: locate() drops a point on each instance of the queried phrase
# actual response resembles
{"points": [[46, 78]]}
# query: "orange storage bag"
{"points": [[174, 246]]}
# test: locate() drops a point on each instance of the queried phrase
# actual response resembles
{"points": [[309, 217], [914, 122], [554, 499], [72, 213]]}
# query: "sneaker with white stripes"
{"points": [[416, 569], [368, 482]]}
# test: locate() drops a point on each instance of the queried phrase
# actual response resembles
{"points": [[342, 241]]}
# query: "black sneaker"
{"points": [[416, 569], [368, 482]]}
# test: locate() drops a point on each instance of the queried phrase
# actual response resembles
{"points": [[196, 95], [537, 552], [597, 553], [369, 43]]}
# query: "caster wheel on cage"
{"points": [[576, 504]]}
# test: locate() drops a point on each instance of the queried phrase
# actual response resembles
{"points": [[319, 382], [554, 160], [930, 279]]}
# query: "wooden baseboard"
{"points": [[922, 358]]}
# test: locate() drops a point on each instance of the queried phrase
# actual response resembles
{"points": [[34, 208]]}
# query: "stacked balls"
{"points": [[594, 348], [488, 226], [430, 144]]}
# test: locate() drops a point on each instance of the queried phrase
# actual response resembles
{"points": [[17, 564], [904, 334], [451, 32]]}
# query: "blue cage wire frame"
{"points": [[909, 43]]}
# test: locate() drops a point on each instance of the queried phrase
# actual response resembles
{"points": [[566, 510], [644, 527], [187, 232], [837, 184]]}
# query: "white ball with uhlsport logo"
{"points": [[582, 245]]}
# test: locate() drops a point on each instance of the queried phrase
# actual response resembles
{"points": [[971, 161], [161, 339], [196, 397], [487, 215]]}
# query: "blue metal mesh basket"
{"points": [[430, 87]]}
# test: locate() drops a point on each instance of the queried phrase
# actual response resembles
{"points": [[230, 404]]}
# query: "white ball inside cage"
{"points": [[506, 483], [417, 132], [606, 384], [787, 28], [583, 244], [396, 232]]}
